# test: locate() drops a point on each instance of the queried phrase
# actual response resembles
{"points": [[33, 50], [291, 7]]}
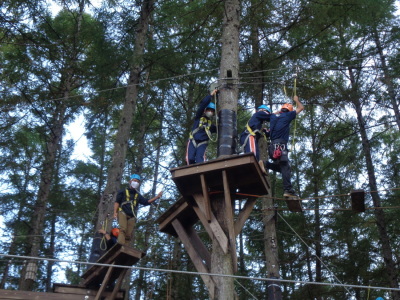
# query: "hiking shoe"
{"points": [[262, 166], [290, 193]]}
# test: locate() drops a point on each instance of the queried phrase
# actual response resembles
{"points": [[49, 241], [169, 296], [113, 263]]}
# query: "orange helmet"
{"points": [[288, 106], [115, 232]]}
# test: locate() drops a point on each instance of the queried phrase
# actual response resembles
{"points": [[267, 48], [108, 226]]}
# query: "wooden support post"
{"points": [[104, 283], [194, 256], [206, 198], [213, 228], [117, 285], [244, 214], [229, 219]]}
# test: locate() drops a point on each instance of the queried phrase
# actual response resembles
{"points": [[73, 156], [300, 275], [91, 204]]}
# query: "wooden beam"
{"points": [[195, 257], [199, 246], [229, 219], [213, 228], [118, 285], [173, 215], [62, 288], [244, 214], [28, 295], [206, 198], [294, 204], [104, 283]]}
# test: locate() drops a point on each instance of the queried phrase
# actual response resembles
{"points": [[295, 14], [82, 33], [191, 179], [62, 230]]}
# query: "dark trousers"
{"points": [[195, 154], [282, 167]]}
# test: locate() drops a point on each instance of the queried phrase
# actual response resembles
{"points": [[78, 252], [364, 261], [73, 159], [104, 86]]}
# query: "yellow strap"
{"points": [[206, 123], [128, 199]]}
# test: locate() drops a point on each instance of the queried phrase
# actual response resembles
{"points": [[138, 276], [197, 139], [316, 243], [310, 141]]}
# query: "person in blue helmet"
{"points": [[126, 206], [201, 130], [278, 151], [250, 136]]}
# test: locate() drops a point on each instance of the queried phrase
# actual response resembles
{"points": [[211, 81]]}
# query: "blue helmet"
{"points": [[135, 176], [264, 107], [379, 298], [211, 105]]}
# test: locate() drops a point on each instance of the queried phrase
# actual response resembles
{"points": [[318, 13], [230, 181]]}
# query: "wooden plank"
{"points": [[74, 289], [27, 295], [104, 283], [230, 220], [244, 214], [294, 204], [118, 255], [213, 228], [118, 285], [206, 198], [188, 181], [199, 245], [194, 256], [167, 220], [358, 200]]}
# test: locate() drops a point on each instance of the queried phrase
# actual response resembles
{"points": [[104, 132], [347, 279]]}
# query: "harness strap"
{"points": [[128, 200], [204, 123], [199, 144]]}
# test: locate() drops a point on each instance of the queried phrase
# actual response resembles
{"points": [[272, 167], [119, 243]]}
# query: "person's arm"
{"points": [[299, 105], [155, 198], [116, 206], [103, 232]]}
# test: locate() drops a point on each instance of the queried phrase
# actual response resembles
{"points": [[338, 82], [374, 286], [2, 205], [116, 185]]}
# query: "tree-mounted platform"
{"points": [[202, 183], [97, 283], [99, 276]]}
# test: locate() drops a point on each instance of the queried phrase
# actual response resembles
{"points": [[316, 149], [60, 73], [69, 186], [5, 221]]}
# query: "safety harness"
{"points": [[204, 123], [128, 200], [251, 133]]}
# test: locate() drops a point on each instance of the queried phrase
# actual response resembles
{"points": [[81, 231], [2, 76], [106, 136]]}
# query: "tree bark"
{"points": [[387, 252], [115, 172]]}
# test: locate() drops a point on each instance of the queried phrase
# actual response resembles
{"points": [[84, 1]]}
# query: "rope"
{"points": [[202, 273], [103, 242], [314, 254]]}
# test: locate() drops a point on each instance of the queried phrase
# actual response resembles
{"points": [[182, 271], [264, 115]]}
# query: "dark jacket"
{"points": [[127, 207], [201, 135]]}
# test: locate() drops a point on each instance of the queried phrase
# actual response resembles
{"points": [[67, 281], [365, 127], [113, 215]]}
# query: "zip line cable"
{"points": [[202, 273], [301, 239]]}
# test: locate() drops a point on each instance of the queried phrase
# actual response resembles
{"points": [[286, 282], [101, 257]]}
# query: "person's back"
{"points": [[278, 152]]}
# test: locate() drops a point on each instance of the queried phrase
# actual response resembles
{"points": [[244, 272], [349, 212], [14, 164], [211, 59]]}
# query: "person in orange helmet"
{"points": [[279, 134], [111, 237]]}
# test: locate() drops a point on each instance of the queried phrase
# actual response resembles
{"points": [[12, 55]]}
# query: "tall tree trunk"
{"points": [[387, 78], [387, 252], [37, 221], [50, 254], [229, 73], [115, 171]]}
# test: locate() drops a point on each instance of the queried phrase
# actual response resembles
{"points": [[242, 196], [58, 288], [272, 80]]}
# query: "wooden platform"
{"points": [[202, 183], [60, 292], [103, 277], [243, 171]]}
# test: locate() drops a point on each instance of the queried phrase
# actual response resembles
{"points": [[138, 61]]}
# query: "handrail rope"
{"points": [[201, 273]]}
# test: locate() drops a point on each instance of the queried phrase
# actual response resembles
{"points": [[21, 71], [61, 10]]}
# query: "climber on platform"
{"points": [[250, 136], [201, 130], [126, 205], [278, 151]]}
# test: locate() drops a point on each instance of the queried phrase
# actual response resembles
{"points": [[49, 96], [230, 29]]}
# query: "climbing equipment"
{"points": [[204, 123], [128, 200], [115, 232], [288, 106], [135, 176]]}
